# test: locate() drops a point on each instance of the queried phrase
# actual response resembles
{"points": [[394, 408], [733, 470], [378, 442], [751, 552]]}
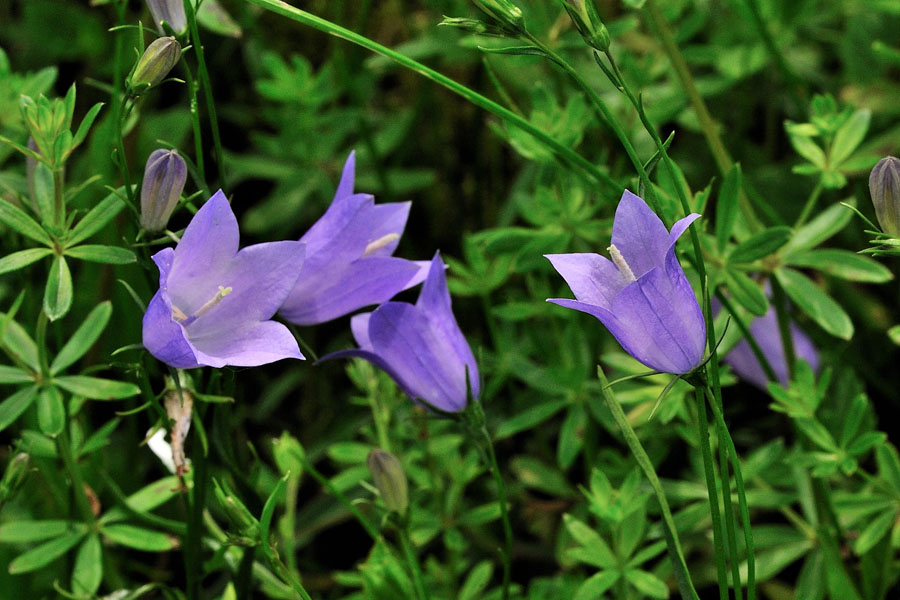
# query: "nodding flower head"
{"points": [[642, 295]]}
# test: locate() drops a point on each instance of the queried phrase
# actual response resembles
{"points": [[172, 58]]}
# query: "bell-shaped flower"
{"points": [[642, 295], [214, 302], [420, 346], [765, 331], [348, 261]]}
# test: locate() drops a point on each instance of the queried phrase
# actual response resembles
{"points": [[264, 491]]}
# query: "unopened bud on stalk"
{"points": [[164, 179], [587, 22], [389, 479], [158, 59], [238, 514], [170, 11], [14, 477], [504, 12], [470, 25], [884, 187]]}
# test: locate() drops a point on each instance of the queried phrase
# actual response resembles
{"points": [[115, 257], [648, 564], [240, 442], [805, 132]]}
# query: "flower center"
{"points": [[182, 318], [620, 263], [380, 243]]}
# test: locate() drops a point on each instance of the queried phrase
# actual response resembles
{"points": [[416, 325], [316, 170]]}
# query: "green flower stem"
{"points": [[566, 155], [779, 300], [370, 529], [244, 578], [676, 555], [195, 123], [381, 415], [751, 340], [776, 53], [207, 89], [64, 447], [192, 547], [412, 560], [504, 512], [709, 472], [728, 514], [725, 440], [605, 115], [116, 100], [709, 127], [810, 204]]}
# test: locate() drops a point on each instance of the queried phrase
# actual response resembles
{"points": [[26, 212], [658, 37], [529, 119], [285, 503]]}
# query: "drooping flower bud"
{"points": [[164, 179], [389, 479], [14, 477], [504, 12], [170, 11], [240, 517], [884, 187], [587, 22], [156, 62]]}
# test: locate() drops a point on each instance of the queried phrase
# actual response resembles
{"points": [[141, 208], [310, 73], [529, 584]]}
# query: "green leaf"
{"points": [[349, 452], [848, 137], [528, 418], [43, 191], [747, 292], [595, 586], [820, 307], [727, 206], [140, 538], [85, 125], [146, 499], [15, 405], [50, 410], [96, 388], [17, 532], [760, 245], [58, 295], [81, 341], [841, 263], [18, 343], [571, 436], [537, 475], [213, 16], [14, 375], [265, 519], [22, 258], [594, 548], [44, 554], [888, 465], [825, 225], [16, 219], [477, 581], [87, 573], [807, 148], [96, 218], [647, 583], [112, 255]]}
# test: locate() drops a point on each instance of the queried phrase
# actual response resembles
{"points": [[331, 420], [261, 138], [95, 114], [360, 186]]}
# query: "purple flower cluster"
{"points": [[215, 302]]}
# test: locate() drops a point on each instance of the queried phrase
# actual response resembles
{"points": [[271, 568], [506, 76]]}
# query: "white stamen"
{"points": [[179, 315], [619, 261], [380, 243]]}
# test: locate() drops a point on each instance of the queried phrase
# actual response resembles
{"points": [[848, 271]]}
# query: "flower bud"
{"points": [[170, 11], [156, 62], [587, 21], [14, 477], [389, 479], [504, 12], [238, 514], [164, 178], [884, 187], [469, 25]]}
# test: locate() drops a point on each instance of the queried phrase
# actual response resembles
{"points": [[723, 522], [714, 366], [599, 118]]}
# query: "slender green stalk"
{"points": [[810, 204], [116, 101], [676, 555], [777, 54], [193, 546], [722, 428], [195, 123], [370, 529], [566, 155], [244, 579], [605, 114], [728, 515], [751, 340], [709, 472], [64, 447], [504, 512], [784, 326], [207, 90], [412, 561]]}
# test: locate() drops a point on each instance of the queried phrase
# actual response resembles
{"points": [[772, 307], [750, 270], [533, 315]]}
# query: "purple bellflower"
{"points": [[420, 346], [765, 331], [348, 261], [642, 295], [214, 302]]}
